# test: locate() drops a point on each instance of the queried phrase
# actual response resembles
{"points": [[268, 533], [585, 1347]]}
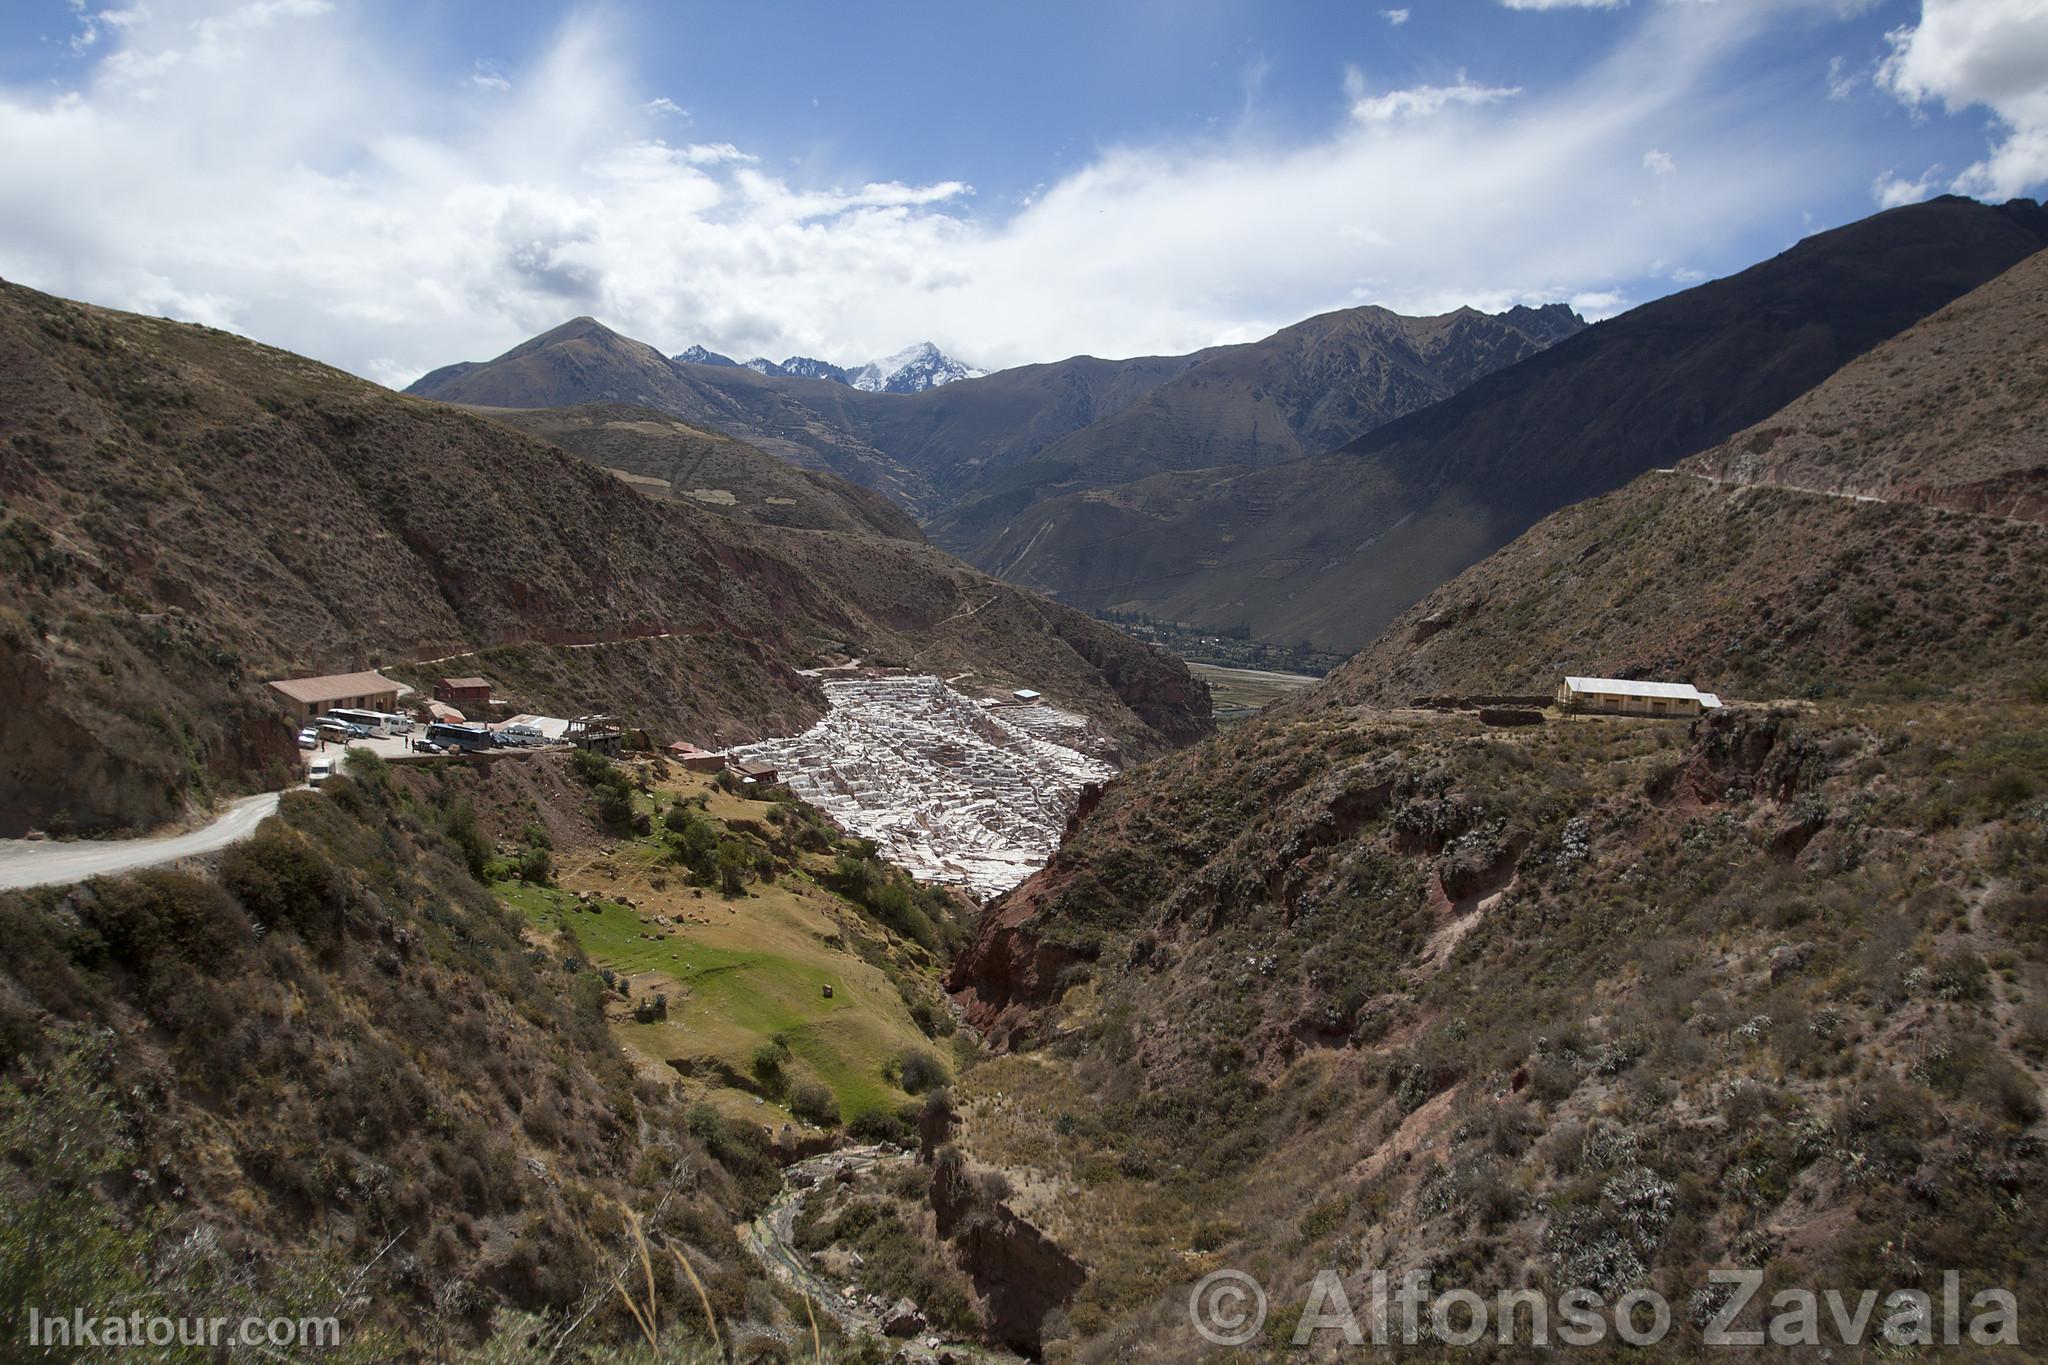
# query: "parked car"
{"points": [[322, 769], [309, 738], [426, 746]]}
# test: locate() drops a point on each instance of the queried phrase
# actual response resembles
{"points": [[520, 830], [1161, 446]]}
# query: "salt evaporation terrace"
{"points": [[953, 790]]}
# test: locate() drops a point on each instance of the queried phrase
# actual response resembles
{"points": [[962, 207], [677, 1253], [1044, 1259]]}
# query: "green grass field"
{"points": [[740, 973]]}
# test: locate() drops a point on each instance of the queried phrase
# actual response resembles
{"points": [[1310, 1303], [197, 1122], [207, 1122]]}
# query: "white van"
{"points": [[320, 771]]}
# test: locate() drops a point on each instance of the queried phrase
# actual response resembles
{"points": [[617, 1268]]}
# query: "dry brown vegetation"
{"points": [[1374, 990]]}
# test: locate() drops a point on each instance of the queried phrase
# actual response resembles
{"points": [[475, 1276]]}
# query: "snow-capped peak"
{"points": [[911, 370]]}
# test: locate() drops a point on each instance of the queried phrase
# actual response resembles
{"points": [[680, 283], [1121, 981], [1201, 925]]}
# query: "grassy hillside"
{"points": [[742, 964], [188, 513], [334, 1077], [661, 457], [1332, 548]]}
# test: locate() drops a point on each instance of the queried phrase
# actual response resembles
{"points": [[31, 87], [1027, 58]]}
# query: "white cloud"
{"points": [[1564, 4], [1419, 102], [665, 107], [384, 218], [487, 76], [1659, 163], [1842, 82], [1891, 190], [1993, 53], [1396, 17]]}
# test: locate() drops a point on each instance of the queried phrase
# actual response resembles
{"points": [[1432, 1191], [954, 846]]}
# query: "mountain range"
{"points": [[1311, 486], [971, 447], [188, 513], [1332, 547]]}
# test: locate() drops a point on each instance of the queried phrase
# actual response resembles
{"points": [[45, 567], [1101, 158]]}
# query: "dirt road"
{"points": [[46, 863]]}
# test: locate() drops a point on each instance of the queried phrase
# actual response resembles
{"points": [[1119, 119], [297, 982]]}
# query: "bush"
{"points": [[814, 1104], [281, 879], [878, 1125], [458, 822], [918, 1071], [768, 1066], [536, 865], [154, 921]]}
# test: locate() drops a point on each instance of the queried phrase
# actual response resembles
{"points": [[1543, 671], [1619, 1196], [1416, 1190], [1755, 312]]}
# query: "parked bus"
{"points": [[376, 722], [465, 737]]}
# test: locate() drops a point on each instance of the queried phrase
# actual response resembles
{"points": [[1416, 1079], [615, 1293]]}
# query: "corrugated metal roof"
{"points": [[334, 687], [1630, 687]]}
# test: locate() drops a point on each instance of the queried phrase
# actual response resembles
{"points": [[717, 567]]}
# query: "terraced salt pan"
{"points": [[953, 791]]}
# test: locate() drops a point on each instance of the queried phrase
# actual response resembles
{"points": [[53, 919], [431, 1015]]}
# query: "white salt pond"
{"points": [[953, 790]]}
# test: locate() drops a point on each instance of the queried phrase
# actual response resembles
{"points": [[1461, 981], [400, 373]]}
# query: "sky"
{"points": [[392, 186]]}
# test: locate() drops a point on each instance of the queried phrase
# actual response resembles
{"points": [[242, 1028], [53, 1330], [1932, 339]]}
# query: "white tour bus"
{"points": [[376, 722]]}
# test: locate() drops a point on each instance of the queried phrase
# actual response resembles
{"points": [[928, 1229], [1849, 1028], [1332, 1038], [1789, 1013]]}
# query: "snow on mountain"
{"points": [[808, 367], [911, 370]]}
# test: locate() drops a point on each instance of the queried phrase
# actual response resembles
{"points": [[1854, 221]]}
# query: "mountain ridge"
{"points": [[1331, 548]]}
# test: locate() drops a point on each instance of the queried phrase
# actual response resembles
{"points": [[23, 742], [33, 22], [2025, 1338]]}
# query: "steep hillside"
{"points": [[337, 1077], [1883, 531], [583, 361], [1596, 1003], [662, 457], [188, 513], [1332, 548], [1607, 1005], [1304, 390]]}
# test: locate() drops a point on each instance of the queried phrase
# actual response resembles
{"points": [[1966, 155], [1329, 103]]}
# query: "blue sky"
{"points": [[393, 186]]}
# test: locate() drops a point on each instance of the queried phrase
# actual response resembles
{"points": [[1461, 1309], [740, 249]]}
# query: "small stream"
{"points": [[771, 1240]]}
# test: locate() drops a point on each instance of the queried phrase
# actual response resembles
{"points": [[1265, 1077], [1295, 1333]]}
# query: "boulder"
{"points": [[903, 1320]]}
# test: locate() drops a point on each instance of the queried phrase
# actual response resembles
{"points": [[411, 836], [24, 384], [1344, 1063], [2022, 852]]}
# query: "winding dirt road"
{"points": [[48, 863]]}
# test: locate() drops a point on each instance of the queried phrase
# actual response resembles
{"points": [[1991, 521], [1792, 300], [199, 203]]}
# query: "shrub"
{"points": [[814, 1104], [919, 1071], [458, 822], [878, 1125], [768, 1066], [152, 920], [536, 865], [281, 879]]}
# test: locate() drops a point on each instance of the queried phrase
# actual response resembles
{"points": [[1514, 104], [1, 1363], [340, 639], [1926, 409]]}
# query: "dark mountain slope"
{"points": [[188, 513], [663, 457], [1332, 548], [992, 445], [1304, 390], [1766, 565], [583, 361]]}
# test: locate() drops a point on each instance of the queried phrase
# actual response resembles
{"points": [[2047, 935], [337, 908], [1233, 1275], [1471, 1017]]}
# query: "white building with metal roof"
{"points": [[1634, 697]]}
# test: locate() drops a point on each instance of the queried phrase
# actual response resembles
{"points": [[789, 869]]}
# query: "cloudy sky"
{"points": [[391, 186]]}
